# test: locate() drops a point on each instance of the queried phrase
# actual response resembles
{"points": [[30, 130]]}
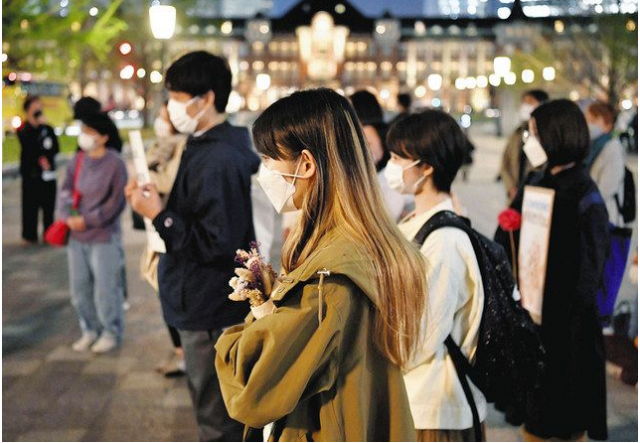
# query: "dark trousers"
{"points": [[175, 337], [214, 423], [37, 194]]}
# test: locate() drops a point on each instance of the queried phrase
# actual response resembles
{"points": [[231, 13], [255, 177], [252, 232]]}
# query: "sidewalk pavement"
{"points": [[53, 394]]}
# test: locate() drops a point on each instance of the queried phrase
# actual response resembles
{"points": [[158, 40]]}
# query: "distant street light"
{"points": [[125, 48], [549, 73], [528, 76], [470, 83], [155, 77], [434, 81], [127, 72], [263, 81], [502, 66], [510, 78], [163, 21]]}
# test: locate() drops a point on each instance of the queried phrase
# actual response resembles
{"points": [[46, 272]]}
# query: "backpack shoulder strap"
{"points": [[442, 219], [590, 199], [463, 368]]}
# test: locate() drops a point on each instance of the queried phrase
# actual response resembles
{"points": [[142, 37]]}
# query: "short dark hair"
{"points": [[99, 121], [434, 138], [562, 131], [28, 101], [367, 107], [85, 105], [404, 100], [198, 73], [604, 110], [538, 95]]}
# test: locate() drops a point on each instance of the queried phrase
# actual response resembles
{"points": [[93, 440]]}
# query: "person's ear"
{"points": [[427, 170], [209, 99], [103, 139], [307, 165]]}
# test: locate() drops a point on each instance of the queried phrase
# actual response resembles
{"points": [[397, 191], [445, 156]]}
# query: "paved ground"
{"points": [[51, 393]]}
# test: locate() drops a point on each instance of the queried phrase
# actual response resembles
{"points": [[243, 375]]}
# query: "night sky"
{"points": [[368, 7]]}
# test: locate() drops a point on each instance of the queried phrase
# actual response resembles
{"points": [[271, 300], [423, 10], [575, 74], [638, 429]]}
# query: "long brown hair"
{"points": [[345, 195]]}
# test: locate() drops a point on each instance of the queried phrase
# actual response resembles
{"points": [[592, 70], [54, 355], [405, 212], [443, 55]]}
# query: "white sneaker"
{"points": [[104, 344], [85, 342], [182, 365]]}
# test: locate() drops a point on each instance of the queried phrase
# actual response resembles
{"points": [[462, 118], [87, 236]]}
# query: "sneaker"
{"points": [[85, 342], [104, 344], [173, 367]]}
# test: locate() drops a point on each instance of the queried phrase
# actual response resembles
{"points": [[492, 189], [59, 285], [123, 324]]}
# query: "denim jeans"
{"points": [[97, 293]]}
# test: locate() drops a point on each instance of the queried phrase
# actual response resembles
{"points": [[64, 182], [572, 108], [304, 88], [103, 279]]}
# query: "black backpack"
{"points": [[627, 207], [509, 360]]}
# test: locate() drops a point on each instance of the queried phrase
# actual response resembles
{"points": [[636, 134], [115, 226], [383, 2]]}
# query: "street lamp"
{"points": [[502, 66], [549, 73], [510, 78], [263, 81], [163, 21], [528, 76], [434, 81]]}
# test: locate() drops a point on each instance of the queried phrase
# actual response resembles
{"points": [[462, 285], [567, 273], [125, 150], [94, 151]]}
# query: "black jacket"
{"points": [[207, 218], [35, 143], [573, 395]]}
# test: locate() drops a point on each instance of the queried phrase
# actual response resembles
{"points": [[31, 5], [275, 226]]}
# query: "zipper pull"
{"points": [[322, 273]]}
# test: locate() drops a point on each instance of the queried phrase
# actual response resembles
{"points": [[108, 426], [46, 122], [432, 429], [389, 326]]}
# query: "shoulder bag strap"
{"points": [[76, 179]]}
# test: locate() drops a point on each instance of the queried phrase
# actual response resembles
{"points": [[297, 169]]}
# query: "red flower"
{"points": [[510, 220]]}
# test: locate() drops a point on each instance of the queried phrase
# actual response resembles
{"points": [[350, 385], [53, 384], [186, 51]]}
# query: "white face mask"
{"points": [[87, 142], [525, 111], [279, 191], [180, 118], [535, 152], [394, 173], [161, 128], [595, 131]]}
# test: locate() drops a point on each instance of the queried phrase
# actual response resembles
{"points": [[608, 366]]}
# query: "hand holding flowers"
{"points": [[254, 281]]}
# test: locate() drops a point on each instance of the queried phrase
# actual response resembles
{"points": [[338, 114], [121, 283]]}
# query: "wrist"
{"points": [[153, 214]]}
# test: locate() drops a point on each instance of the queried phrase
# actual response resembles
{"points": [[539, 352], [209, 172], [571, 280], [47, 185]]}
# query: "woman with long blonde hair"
{"points": [[326, 363]]}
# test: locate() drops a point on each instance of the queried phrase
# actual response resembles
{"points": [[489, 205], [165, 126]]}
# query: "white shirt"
{"points": [[454, 306], [607, 172]]}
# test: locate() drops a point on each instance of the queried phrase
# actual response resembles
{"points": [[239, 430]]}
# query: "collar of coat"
{"points": [[336, 255]]}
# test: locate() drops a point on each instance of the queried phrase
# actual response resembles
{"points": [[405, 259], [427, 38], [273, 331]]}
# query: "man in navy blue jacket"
{"points": [[207, 218]]}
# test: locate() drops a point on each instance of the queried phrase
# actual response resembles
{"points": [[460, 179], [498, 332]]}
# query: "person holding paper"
{"points": [[95, 254], [38, 149], [207, 218], [572, 401]]}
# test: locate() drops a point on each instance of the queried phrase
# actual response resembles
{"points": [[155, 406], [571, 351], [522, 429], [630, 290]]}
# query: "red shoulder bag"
{"points": [[58, 233]]}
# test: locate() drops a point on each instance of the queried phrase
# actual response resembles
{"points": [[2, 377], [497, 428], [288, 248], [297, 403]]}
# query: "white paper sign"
{"points": [[537, 212], [143, 178]]}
